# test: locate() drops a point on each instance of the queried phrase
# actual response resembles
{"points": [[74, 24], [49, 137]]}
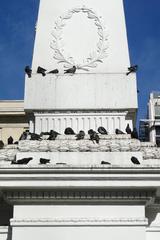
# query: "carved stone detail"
{"points": [[80, 221], [79, 195], [94, 57]]}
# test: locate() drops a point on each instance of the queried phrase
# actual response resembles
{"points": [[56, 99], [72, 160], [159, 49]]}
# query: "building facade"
{"points": [[13, 120]]}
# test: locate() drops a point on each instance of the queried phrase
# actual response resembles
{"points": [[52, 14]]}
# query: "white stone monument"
{"points": [[88, 189], [90, 35]]}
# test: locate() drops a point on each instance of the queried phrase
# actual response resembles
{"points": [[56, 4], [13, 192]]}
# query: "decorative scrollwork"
{"points": [[96, 56]]}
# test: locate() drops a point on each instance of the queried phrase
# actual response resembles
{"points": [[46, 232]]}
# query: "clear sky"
{"points": [[17, 32]]}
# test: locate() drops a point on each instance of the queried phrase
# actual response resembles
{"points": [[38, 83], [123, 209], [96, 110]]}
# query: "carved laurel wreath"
{"points": [[96, 56]]}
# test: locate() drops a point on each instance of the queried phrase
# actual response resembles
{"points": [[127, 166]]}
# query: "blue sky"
{"points": [[17, 25]]}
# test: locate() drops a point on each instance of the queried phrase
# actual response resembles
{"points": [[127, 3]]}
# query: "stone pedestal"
{"points": [[78, 214]]}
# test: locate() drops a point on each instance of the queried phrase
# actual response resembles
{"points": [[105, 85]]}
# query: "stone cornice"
{"points": [[78, 222], [80, 195]]}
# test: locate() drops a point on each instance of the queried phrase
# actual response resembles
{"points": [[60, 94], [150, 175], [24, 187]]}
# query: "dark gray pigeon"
{"points": [[135, 161], [118, 132], [105, 163], [134, 133], [41, 71], [102, 131], [93, 136], [10, 140], [53, 135], [128, 129], [70, 70], [69, 131], [80, 135], [28, 71], [44, 161], [35, 136], [132, 69], [1, 144], [23, 136], [22, 161], [55, 71]]}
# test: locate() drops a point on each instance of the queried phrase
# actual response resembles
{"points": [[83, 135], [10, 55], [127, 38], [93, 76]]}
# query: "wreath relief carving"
{"points": [[96, 56]]}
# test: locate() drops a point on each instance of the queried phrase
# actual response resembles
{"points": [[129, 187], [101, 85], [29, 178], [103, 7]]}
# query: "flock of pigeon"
{"points": [[43, 71], [72, 70], [52, 135]]}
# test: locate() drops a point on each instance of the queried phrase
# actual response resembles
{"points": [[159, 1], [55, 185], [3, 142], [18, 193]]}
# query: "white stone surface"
{"points": [[112, 14], [104, 86], [44, 122], [83, 221], [81, 92], [83, 158]]}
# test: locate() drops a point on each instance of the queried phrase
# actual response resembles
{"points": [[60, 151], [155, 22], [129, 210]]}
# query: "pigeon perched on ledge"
{"points": [[135, 161], [41, 71], [55, 71], [105, 163], [53, 135], [44, 161], [128, 129], [10, 140], [118, 132], [102, 131], [71, 70], [69, 131], [80, 135], [23, 161], [1, 144], [134, 134], [132, 69], [28, 71], [93, 136]]}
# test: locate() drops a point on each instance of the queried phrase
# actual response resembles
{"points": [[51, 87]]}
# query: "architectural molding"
{"points": [[84, 195], [78, 222]]}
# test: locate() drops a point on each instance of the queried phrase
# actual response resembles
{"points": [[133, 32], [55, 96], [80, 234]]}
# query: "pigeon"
{"points": [[69, 131], [42, 71], [35, 136], [28, 71], [134, 133], [55, 71], [22, 161], [44, 161], [70, 70], [102, 131], [23, 136], [132, 69], [1, 144], [128, 129], [105, 163], [93, 136], [53, 135], [80, 135], [134, 160], [10, 140], [118, 132]]}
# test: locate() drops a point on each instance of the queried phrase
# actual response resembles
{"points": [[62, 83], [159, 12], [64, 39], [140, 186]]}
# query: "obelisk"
{"points": [[90, 35]]}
